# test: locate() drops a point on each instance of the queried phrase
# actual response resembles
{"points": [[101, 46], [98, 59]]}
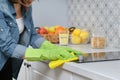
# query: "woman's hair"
{"points": [[17, 1], [14, 1]]}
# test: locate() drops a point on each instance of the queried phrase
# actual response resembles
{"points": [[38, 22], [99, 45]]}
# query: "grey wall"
{"points": [[50, 12]]}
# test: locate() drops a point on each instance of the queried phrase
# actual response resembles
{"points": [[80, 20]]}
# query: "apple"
{"points": [[43, 31], [46, 27], [38, 30]]}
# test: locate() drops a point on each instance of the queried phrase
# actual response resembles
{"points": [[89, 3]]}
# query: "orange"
{"points": [[59, 29]]}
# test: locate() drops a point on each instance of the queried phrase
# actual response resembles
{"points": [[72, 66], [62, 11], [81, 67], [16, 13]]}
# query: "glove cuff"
{"points": [[47, 45], [32, 54]]}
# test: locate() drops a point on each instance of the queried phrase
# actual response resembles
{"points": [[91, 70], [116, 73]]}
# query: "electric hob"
{"points": [[99, 56]]}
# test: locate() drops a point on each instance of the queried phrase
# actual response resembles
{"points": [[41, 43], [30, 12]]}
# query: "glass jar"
{"points": [[98, 39], [64, 37]]}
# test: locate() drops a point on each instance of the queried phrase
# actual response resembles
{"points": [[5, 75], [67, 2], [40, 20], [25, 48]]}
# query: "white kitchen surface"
{"points": [[105, 70], [108, 70]]}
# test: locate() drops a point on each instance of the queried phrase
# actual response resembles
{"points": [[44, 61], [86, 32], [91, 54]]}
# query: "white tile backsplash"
{"points": [[92, 14]]}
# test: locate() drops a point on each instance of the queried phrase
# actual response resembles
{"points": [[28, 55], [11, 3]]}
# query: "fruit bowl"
{"points": [[50, 33], [53, 38]]}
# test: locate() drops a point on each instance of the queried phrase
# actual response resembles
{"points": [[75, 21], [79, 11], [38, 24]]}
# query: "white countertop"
{"points": [[107, 70]]}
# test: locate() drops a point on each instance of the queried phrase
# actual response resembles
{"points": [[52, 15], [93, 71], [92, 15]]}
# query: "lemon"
{"points": [[84, 34], [75, 40], [84, 40], [76, 32]]}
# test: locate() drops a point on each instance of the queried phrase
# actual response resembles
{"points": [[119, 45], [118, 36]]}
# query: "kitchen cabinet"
{"points": [[78, 77], [41, 71], [46, 74], [25, 71], [106, 70]]}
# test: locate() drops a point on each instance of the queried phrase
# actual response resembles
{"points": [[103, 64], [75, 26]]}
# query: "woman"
{"points": [[17, 33]]}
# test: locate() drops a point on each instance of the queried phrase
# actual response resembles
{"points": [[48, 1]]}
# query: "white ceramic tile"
{"points": [[97, 13]]}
